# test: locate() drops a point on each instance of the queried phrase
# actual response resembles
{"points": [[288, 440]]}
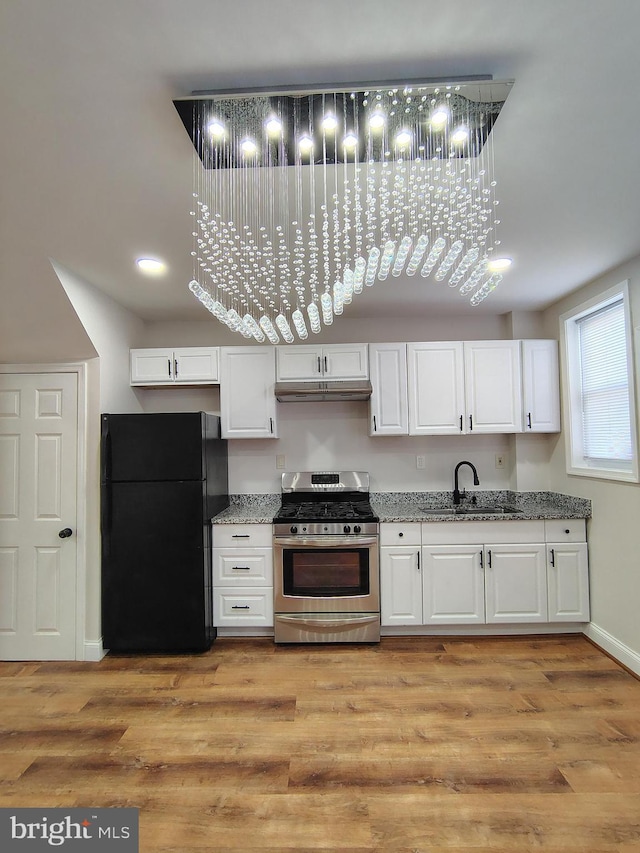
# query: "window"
{"points": [[599, 389]]}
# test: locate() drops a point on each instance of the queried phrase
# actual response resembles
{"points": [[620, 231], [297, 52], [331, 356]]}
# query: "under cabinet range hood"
{"points": [[339, 389]]}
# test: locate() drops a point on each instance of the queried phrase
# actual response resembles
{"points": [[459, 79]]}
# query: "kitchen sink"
{"points": [[472, 509]]}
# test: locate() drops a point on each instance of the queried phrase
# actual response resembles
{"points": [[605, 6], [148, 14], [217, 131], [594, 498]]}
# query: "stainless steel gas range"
{"points": [[326, 569]]}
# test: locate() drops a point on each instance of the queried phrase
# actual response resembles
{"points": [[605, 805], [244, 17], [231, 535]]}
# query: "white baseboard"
{"points": [[618, 650], [93, 651], [493, 630]]}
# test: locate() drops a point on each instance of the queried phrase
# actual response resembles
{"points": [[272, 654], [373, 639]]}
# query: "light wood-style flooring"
{"points": [[418, 745]]}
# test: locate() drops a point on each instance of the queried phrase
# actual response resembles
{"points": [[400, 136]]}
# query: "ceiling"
{"points": [[97, 166]]}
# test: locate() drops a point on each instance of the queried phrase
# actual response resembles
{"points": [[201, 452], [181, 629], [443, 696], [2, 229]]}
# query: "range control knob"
{"points": [[346, 529], [294, 529], [357, 529]]}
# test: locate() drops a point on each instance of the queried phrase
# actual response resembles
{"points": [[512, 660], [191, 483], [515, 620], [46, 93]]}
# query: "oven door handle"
{"points": [[307, 621], [326, 541]]}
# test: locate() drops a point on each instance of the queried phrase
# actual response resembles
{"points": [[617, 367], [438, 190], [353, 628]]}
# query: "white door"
{"points": [[568, 580], [540, 386], [38, 459], [247, 398], [196, 365]]}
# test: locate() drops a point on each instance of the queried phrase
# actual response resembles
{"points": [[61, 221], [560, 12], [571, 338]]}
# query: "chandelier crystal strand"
{"points": [[398, 192], [488, 287]]}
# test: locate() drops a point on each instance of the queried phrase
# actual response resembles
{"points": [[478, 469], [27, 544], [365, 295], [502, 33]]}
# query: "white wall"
{"points": [[112, 330], [614, 531]]}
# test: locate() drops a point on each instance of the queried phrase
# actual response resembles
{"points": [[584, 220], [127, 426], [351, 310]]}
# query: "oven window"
{"points": [[326, 572]]}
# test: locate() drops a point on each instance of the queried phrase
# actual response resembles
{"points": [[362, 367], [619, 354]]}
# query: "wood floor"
{"points": [[418, 745]]}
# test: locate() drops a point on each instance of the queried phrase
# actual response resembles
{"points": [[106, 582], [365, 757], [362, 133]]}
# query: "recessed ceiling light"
{"points": [[151, 266], [216, 128], [274, 125], [499, 264]]}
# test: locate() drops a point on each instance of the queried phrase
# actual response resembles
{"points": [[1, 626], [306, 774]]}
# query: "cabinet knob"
{"points": [[401, 534], [567, 530]]}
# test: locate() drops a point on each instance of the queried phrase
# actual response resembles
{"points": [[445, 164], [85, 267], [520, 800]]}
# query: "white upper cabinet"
{"points": [[388, 408], [186, 366], [436, 388], [540, 386], [464, 387], [493, 391], [247, 400], [334, 361]]}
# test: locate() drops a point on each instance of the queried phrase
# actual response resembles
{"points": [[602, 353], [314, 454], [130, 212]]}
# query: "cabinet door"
{"points": [[515, 583], [193, 365], [493, 390], [151, 366], [452, 585], [247, 400], [400, 586], [388, 410], [299, 362], [345, 361], [436, 388], [540, 386], [568, 581]]}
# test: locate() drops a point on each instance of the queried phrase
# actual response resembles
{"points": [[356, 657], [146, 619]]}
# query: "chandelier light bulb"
{"points": [[329, 123], [305, 144], [460, 135], [216, 128], [403, 138], [439, 117], [376, 121], [350, 141], [274, 126], [248, 147]]}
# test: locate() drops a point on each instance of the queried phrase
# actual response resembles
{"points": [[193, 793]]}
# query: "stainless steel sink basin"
{"points": [[471, 509]]}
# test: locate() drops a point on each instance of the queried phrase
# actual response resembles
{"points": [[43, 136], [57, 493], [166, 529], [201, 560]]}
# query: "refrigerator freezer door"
{"points": [[153, 447], [156, 585]]}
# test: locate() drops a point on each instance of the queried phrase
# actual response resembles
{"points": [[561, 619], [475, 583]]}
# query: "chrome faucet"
{"points": [[457, 495]]}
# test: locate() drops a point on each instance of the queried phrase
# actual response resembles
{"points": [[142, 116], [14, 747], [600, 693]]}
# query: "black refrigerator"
{"points": [[163, 477]]}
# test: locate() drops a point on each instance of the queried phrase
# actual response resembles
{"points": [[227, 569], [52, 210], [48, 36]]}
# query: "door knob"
{"points": [[65, 533]]}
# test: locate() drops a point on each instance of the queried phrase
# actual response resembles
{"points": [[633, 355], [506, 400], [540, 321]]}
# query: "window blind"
{"points": [[604, 385]]}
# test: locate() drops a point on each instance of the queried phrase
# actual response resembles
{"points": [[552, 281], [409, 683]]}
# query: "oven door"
{"points": [[326, 574]]}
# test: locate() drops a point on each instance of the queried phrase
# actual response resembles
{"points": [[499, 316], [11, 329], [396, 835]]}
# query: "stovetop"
{"points": [[319, 510]]}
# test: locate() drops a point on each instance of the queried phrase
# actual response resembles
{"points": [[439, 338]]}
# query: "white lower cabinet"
{"points": [[452, 585], [484, 573], [515, 583], [242, 566]]}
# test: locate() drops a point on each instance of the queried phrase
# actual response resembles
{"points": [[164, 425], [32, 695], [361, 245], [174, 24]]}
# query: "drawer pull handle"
{"points": [[241, 568], [241, 536], [240, 607]]}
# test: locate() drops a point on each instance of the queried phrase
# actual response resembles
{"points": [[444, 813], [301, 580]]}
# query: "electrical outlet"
{"points": [[499, 460], [280, 462], [420, 462]]}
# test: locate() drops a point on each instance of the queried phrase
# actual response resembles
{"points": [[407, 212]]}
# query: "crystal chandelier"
{"points": [[303, 200]]}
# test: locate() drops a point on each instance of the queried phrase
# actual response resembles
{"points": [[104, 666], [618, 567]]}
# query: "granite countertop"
{"points": [[423, 506], [249, 509], [519, 506]]}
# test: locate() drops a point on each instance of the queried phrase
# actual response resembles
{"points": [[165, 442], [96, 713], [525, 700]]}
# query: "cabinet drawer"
{"points": [[243, 607], [565, 530], [241, 535], [400, 533], [242, 567]]}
